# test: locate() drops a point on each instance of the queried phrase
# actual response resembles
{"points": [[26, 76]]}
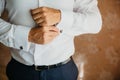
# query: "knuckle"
{"points": [[44, 14], [43, 8]]}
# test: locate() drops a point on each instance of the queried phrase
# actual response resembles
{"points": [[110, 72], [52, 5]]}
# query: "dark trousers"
{"points": [[18, 71]]}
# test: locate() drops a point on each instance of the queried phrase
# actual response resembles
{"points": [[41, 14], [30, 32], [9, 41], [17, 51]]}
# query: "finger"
{"points": [[36, 16], [42, 9], [44, 23], [35, 11], [53, 34], [53, 29], [39, 21], [50, 36], [50, 29], [47, 22], [45, 29]]}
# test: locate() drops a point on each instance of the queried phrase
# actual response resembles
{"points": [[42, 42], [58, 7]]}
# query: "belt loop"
{"points": [[48, 67]]}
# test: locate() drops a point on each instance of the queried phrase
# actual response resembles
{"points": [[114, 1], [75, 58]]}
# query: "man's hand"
{"points": [[43, 35], [45, 16]]}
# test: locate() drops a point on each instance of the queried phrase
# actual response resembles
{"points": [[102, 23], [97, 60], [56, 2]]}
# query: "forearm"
{"points": [[15, 36], [85, 18]]}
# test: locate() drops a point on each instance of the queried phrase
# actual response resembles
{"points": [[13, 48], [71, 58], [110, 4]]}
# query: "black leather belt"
{"points": [[40, 68]]}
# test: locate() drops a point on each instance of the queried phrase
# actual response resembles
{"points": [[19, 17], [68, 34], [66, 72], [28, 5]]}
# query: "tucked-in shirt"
{"points": [[77, 17]]}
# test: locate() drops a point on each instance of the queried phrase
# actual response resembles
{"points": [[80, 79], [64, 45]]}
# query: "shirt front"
{"points": [[77, 17]]}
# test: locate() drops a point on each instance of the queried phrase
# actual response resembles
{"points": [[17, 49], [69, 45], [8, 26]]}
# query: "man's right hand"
{"points": [[43, 35]]}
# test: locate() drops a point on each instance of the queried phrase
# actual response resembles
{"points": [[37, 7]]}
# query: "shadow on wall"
{"points": [[97, 56]]}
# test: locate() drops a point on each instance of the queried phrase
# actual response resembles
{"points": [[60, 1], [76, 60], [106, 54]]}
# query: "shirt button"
{"points": [[21, 47], [61, 31]]}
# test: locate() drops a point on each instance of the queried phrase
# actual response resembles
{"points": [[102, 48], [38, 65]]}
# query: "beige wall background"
{"points": [[97, 56]]}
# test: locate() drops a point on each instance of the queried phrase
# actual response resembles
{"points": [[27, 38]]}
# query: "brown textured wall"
{"points": [[97, 56]]}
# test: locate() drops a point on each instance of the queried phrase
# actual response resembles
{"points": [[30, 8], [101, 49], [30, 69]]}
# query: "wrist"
{"points": [[30, 36], [59, 16]]}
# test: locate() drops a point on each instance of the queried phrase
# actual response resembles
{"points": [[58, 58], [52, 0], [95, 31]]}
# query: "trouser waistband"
{"points": [[45, 67]]}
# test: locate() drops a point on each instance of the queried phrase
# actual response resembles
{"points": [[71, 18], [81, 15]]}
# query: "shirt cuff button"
{"points": [[61, 31], [21, 47]]}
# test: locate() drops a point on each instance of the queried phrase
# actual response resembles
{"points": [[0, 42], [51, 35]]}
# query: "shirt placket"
{"points": [[40, 3]]}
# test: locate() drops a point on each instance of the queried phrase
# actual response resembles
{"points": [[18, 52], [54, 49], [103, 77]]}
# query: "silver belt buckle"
{"points": [[36, 68]]}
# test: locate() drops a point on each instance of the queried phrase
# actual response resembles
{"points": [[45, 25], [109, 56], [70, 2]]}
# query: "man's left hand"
{"points": [[45, 16]]}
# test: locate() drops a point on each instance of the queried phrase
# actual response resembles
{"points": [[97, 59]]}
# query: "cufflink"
{"points": [[21, 47]]}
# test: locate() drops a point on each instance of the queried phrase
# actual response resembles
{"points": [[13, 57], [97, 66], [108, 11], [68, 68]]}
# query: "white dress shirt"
{"points": [[77, 17]]}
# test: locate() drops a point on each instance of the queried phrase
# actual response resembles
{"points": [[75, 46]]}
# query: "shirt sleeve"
{"points": [[85, 18], [15, 36]]}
